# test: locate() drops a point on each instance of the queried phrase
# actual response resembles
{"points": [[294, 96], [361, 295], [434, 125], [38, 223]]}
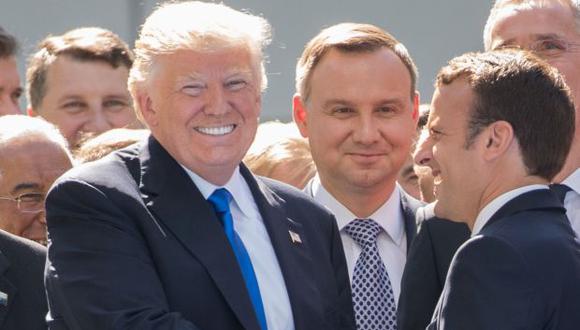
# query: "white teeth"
{"points": [[216, 131]]}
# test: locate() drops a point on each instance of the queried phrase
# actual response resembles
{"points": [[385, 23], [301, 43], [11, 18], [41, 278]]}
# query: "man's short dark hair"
{"points": [[521, 89], [87, 44], [8, 44]]}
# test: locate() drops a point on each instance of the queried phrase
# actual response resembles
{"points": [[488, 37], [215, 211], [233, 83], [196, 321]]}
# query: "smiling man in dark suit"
{"points": [[493, 147], [176, 233], [356, 103]]}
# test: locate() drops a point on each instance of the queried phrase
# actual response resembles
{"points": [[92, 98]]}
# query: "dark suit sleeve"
{"points": [[420, 285], [342, 279], [99, 273], [488, 287]]}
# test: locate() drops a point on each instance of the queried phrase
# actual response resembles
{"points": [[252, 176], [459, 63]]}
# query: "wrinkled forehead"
{"points": [[531, 20]]}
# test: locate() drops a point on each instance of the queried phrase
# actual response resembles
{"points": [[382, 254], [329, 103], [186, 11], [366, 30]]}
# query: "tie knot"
{"points": [[560, 190], [220, 199], [363, 231]]}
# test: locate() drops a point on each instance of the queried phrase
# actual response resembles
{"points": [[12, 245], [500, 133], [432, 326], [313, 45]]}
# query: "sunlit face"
{"points": [[28, 166], [457, 170], [554, 24], [86, 97], [10, 89], [203, 107], [408, 179], [360, 119]]}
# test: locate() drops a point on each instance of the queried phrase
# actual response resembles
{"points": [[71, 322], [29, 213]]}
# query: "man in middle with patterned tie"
{"points": [[356, 102]]}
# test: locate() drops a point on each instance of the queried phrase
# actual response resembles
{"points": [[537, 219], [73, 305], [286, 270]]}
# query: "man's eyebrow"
{"points": [[25, 186]]}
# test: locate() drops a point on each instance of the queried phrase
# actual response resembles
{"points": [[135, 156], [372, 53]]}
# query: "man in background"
{"points": [[78, 82], [10, 88], [551, 30], [33, 154], [356, 103]]}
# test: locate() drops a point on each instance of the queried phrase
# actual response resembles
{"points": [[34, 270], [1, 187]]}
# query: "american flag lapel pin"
{"points": [[294, 237], [3, 298]]}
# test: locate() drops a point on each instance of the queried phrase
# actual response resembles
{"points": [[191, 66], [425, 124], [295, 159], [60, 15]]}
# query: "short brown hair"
{"points": [[521, 89], [83, 44], [8, 44], [348, 37]]}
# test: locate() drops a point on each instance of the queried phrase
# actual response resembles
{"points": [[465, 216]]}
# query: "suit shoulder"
{"points": [[18, 249], [291, 194]]}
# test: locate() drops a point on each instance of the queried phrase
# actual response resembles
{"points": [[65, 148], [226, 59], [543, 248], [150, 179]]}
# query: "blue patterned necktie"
{"points": [[373, 298], [560, 190], [220, 200]]}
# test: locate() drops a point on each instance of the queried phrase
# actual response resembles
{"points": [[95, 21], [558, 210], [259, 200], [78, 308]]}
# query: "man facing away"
{"points": [[78, 82], [500, 128], [176, 233], [551, 30], [357, 105]]}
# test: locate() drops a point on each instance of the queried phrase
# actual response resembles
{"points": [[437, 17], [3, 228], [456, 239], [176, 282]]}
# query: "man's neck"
{"points": [[361, 201]]}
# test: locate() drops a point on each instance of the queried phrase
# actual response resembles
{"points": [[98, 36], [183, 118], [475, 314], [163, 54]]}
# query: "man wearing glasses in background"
{"points": [[550, 29], [32, 155]]}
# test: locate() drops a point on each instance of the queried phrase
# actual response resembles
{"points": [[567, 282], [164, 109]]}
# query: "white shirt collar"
{"points": [[236, 185], [492, 207], [393, 226], [573, 181]]}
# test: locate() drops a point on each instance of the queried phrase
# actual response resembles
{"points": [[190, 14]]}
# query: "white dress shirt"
{"points": [[392, 241], [572, 200], [489, 210], [249, 225]]}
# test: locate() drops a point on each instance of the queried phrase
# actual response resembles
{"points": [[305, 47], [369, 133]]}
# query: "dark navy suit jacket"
{"points": [[522, 271], [21, 267], [426, 268], [134, 245]]}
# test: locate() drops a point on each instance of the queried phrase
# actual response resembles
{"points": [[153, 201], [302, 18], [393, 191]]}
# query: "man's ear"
{"points": [[498, 138], [416, 104], [30, 112], [148, 112], [300, 114]]}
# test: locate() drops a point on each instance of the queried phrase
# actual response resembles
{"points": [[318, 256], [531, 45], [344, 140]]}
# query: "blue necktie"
{"points": [[372, 293], [220, 200]]}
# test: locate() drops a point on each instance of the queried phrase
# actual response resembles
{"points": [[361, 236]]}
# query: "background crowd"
{"points": [[138, 191]]}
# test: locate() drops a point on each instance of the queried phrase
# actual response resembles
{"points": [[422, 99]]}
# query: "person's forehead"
{"points": [[451, 101], [513, 23]]}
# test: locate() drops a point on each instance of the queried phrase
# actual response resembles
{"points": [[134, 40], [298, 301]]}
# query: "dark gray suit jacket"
{"points": [[134, 245], [21, 268], [522, 271], [426, 268]]}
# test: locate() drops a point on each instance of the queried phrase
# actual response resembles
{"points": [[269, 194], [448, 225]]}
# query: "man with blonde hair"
{"points": [[175, 232], [78, 81], [356, 103], [551, 30]]}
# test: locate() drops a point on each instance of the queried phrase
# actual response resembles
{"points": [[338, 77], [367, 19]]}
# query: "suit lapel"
{"points": [[175, 201], [7, 288], [409, 206], [291, 247]]}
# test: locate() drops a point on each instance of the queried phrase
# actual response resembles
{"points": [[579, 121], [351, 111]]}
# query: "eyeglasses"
{"points": [[28, 202], [548, 48]]}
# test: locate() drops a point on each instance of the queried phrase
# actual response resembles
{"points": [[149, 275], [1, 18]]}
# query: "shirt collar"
{"points": [[573, 181], [492, 207], [389, 216], [236, 185]]}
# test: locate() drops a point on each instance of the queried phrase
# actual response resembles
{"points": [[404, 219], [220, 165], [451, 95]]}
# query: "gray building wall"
{"points": [[433, 31]]}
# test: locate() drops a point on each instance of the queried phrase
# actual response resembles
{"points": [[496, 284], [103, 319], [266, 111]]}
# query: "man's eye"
{"points": [[31, 198], [74, 106], [550, 45], [236, 85], [343, 110], [193, 90]]}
